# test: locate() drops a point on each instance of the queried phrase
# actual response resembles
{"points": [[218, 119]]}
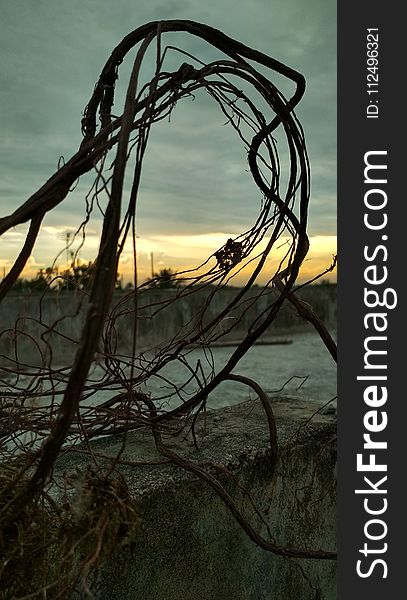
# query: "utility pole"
{"points": [[152, 264], [66, 236], [67, 240]]}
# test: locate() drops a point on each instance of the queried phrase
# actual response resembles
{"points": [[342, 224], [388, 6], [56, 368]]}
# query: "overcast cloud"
{"points": [[194, 177]]}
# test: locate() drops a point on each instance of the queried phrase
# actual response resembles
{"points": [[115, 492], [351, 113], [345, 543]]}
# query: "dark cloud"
{"points": [[194, 177], [172, 9]]}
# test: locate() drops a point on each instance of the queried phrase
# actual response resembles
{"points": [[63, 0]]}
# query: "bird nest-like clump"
{"points": [[50, 546]]}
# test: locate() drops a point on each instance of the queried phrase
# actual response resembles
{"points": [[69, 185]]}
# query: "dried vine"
{"points": [[69, 415]]}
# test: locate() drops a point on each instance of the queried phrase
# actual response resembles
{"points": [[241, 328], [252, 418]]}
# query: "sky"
{"points": [[195, 192]]}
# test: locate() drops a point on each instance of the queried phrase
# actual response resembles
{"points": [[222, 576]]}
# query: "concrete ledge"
{"points": [[178, 319], [191, 548]]}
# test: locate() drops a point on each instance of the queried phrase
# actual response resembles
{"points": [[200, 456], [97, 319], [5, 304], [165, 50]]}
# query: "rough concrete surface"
{"points": [[190, 546]]}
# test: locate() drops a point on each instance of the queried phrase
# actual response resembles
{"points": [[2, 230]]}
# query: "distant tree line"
{"points": [[80, 277]]}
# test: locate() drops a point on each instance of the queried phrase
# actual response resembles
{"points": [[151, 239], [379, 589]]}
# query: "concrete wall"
{"points": [[191, 548], [28, 319]]}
